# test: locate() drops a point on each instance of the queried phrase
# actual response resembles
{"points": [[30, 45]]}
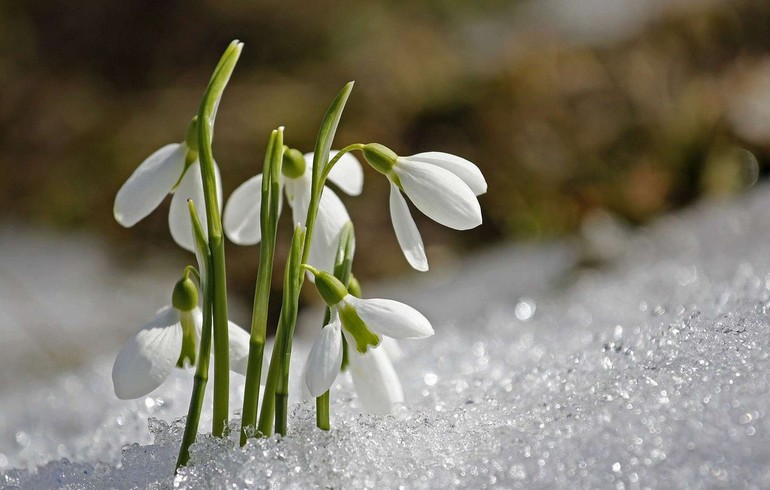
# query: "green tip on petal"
{"points": [[185, 295], [355, 326]]}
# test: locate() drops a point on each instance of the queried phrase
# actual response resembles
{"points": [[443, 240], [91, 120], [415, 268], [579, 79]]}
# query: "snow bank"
{"points": [[652, 372]]}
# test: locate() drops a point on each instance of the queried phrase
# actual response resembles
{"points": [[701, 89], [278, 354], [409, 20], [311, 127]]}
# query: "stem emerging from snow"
{"points": [[206, 116], [268, 221]]}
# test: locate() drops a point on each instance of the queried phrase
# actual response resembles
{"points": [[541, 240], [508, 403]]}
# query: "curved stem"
{"points": [[333, 161], [192, 271], [206, 116]]}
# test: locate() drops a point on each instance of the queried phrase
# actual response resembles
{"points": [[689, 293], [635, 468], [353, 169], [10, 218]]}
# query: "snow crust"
{"points": [[649, 372]]}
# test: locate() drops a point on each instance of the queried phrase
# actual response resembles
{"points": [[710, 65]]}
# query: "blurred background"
{"points": [[621, 109]]}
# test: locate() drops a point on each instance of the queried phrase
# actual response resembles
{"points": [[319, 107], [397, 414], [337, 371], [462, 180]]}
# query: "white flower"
{"points": [[148, 357], [375, 380], [325, 358], [172, 169], [364, 322], [242, 213], [443, 186]]}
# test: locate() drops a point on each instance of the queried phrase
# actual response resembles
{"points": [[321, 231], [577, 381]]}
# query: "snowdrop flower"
{"points": [[242, 212], [364, 322], [374, 378], [172, 169], [170, 339], [443, 186]]}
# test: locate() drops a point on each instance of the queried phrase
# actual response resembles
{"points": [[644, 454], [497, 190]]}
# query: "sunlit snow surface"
{"points": [[652, 372]]}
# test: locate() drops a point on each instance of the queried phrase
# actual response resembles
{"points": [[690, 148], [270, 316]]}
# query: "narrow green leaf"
{"points": [[268, 223], [291, 288], [328, 129], [219, 79], [206, 115]]}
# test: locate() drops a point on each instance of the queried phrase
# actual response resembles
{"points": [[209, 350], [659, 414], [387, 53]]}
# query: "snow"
{"points": [[648, 372]]}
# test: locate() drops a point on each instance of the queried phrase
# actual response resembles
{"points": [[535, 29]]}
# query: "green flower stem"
{"points": [[268, 222], [266, 414], [333, 161], [192, 271], [320, 158], [323, 146], [206, 116], [322, 402], [202, 367], [291, 288], [343, 265], [322, 412]]}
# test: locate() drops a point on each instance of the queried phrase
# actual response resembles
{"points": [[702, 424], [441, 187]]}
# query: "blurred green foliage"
{"points": [[615, 107]]}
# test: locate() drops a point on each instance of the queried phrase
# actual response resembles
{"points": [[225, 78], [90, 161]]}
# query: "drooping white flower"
{"points": [[172, 169], [443, 186], [375, 380], [242, 213], [364, 322], [325, 358], [169, 339]]}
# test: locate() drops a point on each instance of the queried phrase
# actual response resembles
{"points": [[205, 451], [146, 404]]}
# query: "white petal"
{"points": [[330, 220], [440, 194], [332, 217], [242, 213], [239, 349], [391, 318], [149, 184], [375, 381], [149, 356], [191, 187], [392, 349], [407, 234], [347, 174], [238, 341], [298, 196], [324, 361], [466, 170]]}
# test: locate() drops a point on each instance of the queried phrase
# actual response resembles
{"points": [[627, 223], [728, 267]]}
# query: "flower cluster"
{"points": [[364, 323], [442, 186]]}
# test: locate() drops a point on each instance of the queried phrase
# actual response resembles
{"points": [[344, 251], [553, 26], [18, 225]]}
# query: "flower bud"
{"points": [[380, 157], [293, 165], [330, 288], [185, 295]]}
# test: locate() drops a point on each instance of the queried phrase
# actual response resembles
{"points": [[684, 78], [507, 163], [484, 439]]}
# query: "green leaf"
{"points": [[218, 82], [328, 129]]}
